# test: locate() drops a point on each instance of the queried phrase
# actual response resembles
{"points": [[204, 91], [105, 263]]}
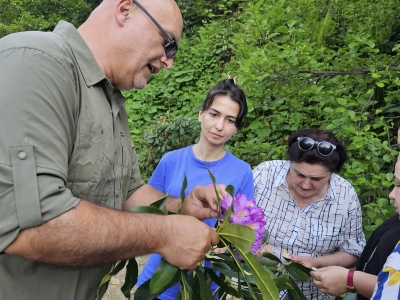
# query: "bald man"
{"points": [[69, 173]]}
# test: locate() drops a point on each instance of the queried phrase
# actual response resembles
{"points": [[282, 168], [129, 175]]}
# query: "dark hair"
{"points": [[228, 87], [334, 162]]}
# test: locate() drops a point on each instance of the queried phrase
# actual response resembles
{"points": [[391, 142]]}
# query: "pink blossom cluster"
{"points": [[246, 212]]}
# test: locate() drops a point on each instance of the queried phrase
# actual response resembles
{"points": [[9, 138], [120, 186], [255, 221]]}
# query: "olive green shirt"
{"points": [[64, 136]]}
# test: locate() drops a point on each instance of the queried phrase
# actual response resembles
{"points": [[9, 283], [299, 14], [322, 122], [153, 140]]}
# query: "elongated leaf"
{"points": [[205, 292], [240, 266], [186, 291], [282, 282], [239, 235], [147, 210], [296, 272], [162, 276], [271, 256], [305, 269], [143, 291], [295, 293], [264, 281], [266, 262], [231, 191], [160, 204], [130, 277], [114, 270], [230, 274], [222, 284], [184, 186], [215, 188]]}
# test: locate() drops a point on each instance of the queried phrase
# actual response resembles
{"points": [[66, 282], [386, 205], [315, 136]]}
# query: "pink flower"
{"points": [[246, 212]]}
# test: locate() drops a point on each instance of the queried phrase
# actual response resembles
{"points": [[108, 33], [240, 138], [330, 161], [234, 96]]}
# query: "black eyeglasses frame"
{"points": [[315, 143], [171, 47]]}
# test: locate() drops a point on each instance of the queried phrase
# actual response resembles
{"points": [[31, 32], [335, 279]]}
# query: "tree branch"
{"points": [[354, 72]]}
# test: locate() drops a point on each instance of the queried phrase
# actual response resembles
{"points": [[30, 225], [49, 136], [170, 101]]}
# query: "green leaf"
{"points": [[380, 84], [294, 70], [224, 286], [387, 158], [266, 262], [184, 186], [130, 277], [239, 235], [297, 272], [264, 281], [143, 291], [160, 204], [147, 210], [295, 293], [185, 289], [271, 256], [163, 275], [382, 202], [205, 292], [282, 282], [115, 268]]}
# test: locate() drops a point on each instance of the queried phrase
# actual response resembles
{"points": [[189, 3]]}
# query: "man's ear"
{"points": [[123, 11]]}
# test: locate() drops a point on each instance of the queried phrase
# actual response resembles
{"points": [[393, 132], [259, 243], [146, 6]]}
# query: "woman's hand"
{"points": [[331, 280]]}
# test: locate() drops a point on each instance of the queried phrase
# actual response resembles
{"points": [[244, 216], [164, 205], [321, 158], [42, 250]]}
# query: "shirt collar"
{"points": [[88, 65], [280, 179]]}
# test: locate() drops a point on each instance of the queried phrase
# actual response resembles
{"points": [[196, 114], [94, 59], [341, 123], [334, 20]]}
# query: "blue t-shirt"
{"points": [[168, 178]]}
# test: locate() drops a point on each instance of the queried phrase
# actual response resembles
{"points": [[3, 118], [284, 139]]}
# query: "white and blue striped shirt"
{"points": [[333, 223]]}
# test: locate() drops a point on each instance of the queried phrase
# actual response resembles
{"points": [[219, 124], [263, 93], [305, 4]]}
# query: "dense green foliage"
{"points": [[331, 64], [42, 14]]}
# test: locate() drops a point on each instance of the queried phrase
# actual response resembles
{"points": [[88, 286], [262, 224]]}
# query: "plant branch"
{"points": [[354, 72]]}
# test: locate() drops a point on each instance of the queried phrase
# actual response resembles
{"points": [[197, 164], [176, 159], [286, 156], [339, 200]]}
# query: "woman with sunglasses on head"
{"points": [[312, 213], [220, 116]]}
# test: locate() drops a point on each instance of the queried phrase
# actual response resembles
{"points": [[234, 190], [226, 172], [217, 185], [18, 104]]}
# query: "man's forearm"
{"points": [[88, 235]]}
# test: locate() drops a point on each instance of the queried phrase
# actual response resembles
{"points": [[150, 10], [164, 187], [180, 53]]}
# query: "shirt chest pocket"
{"points": [[91, 169]]}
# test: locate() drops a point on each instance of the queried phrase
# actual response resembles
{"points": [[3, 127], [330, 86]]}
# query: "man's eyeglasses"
{"points": [[170, 47], [306, 144]]}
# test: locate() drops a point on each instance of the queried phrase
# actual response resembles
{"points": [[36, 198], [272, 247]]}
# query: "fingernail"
{"points": [[314, 269]]}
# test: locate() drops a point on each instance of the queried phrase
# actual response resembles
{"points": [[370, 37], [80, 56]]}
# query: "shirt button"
{"points": [[22, 155]]}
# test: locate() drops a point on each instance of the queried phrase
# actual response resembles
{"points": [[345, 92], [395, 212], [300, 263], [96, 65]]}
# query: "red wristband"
{"points": [[350, 283]]}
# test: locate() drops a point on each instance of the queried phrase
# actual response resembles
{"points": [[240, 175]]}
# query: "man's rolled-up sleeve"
{"points": [[39, 108]]}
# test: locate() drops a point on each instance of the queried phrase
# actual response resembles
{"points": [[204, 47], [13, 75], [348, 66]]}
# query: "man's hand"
{"points": [[331, 280], [187, 241], [201, 203]]}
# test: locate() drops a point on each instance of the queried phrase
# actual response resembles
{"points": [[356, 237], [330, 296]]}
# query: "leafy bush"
{"points": [[301, 64], [42, 15]]}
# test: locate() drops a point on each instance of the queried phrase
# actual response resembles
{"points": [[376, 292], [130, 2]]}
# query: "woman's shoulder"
{"points": [[178, 153], [273, 164], [232, 159]]}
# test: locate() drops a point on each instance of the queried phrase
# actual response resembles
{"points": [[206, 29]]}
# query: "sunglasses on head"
{"points": [[170, 47], [324, 148]]}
